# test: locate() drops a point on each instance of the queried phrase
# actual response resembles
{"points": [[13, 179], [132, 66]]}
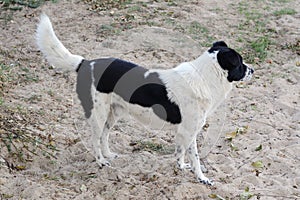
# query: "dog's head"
{"points": [[231, 61]]}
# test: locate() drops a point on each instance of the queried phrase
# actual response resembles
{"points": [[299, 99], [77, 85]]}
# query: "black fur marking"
{"points": [[178, 150], [107, 125], [83, 87], [190, 150], [220, 44], [78, 67], [129, 82], [229, 60]]}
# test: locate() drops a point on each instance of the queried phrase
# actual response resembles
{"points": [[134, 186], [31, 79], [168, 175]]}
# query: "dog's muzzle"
{"points": [[248, 74]]}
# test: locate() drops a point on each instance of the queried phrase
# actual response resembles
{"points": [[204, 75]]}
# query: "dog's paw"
{"points": [[110, 155], [183, 166], [103, 163], [203, 169], [206, 181]]}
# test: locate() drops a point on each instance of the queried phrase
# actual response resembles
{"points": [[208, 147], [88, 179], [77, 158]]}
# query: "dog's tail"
{"points": [[54, 51]]}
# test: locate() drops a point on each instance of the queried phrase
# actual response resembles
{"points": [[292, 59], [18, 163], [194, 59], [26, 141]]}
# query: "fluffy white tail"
{"points": [[54, 51]]}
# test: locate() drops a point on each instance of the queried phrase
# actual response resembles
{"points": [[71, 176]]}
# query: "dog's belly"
{"points": [[143, 115]]}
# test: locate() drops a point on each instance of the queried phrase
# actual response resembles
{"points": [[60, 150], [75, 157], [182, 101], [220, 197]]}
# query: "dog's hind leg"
{"points": [[97, 121], [97, 133], [105, 137], [116, 111]]}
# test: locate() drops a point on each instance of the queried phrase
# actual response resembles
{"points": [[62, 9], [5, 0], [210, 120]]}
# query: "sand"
{"points": [[259, 161]]}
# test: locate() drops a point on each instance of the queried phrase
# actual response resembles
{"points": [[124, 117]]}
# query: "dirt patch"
{"points": [[260, 162]]}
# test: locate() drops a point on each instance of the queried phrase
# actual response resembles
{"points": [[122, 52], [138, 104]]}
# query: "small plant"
{"points": [[5, 78], [19, 4], [285, 11], [8, 7], [102, 5], [295, 47], [240, 130], [257, 50], [151, 147], [198, 32], [254, 23], [246, 194], [196, 29], [260, 47]]}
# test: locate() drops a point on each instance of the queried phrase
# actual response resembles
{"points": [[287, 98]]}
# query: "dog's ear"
{"points": [[217, 46], [231, 61], [220, 44]]}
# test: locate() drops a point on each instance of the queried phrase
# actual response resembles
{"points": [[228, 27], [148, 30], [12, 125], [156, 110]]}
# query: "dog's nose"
{"points": [[251, 70]]}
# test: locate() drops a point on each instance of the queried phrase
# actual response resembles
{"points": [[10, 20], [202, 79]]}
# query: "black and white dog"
{"points": [[180, 98]]}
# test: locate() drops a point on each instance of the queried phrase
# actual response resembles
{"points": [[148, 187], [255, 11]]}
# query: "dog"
{"points": [[181, 97]]}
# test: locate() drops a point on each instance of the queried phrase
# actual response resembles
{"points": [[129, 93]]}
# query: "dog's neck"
{"points": [[208, 64]]}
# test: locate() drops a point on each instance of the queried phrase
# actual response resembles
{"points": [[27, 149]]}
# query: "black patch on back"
{"points": [[229, 60], [129, 82]]}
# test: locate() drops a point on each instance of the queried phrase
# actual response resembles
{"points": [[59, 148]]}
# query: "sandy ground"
{"points": [[261, 162]]}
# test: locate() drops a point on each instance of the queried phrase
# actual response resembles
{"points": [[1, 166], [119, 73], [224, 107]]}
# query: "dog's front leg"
{"points": [[96, 136], [195, 163], [180, 152]]}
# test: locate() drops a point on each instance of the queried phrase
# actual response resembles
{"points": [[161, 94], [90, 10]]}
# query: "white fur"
{"points": [[248, 75], [52, 48]]}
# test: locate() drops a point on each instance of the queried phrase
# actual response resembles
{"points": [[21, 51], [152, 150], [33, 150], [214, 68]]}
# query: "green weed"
{"points": [[196, 28], [284, 11], [200, 32], [5, 78], [254, 23], [28, 76], [295, 47], [135, 8], [151, 147], [260, 47], [4, 73], [102, 5], [19, 4], [281, 1], [8, 7]]}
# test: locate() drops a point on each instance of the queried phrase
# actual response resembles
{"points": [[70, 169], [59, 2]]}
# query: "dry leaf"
{"points": [[20, 167], [258, 148], [231, 135], [215, 196], [240, 85], [257, 164]]}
